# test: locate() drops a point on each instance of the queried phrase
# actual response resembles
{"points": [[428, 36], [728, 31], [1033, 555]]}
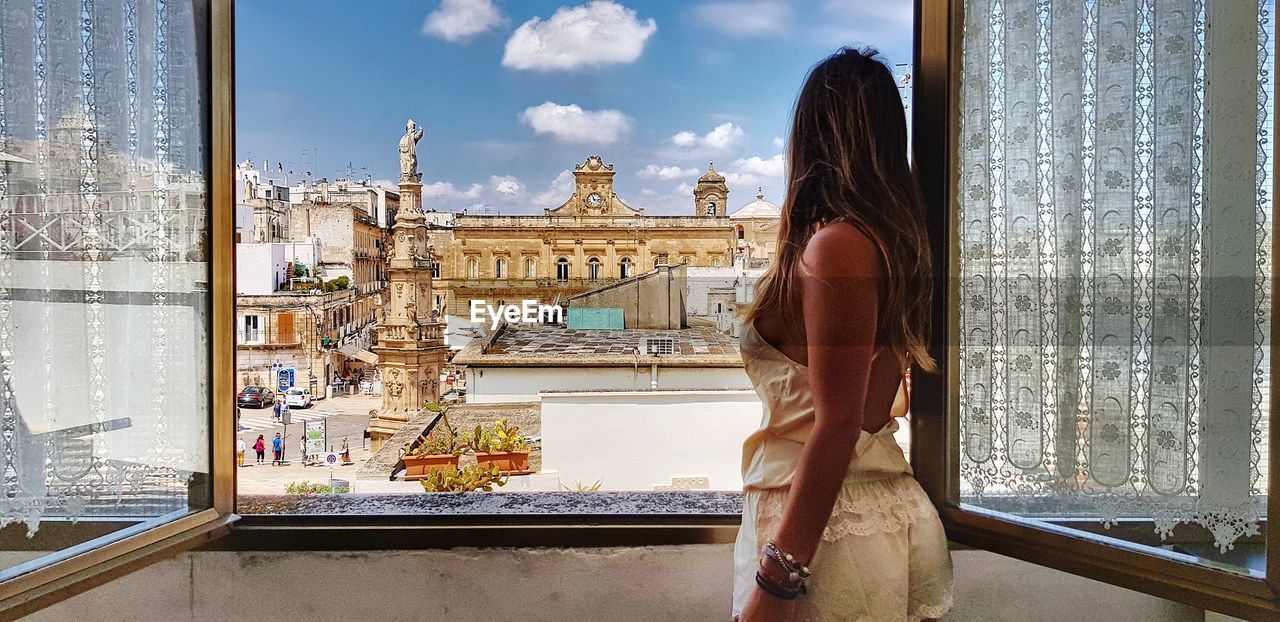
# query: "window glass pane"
{"points": [[104, 270], [632, 183], [1116, 225]]}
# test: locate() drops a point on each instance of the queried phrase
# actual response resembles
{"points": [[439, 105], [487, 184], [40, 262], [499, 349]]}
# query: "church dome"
{"points": [[711, 176], [758, 208]]}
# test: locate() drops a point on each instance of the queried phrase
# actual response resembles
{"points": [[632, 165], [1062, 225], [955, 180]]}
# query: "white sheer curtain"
{"points": [[103, 267], [1115, 233]]}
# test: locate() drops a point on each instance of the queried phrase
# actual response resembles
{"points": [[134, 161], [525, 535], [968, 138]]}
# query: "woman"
{"points": [[260, 446], [834, 526]]}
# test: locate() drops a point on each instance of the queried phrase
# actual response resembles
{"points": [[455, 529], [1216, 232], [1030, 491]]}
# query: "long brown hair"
{"points": [[847, 160]]}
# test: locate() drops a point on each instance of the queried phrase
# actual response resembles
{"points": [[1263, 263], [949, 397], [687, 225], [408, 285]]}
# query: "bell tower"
{"points": [[711, 195]]}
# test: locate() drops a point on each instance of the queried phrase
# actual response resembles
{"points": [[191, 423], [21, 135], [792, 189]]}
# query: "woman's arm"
{"points": [[841, 279]]}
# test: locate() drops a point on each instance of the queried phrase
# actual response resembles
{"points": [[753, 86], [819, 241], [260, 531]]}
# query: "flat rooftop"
{"points": [[537, 345]]}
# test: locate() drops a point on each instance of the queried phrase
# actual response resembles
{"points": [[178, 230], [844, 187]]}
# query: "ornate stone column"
{"points": [[411, 350]]}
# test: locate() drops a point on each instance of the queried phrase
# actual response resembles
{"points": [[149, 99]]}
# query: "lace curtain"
{"points": [[1115, 234], [103, 271]]}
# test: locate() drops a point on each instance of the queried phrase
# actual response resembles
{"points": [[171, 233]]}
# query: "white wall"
{"points": [[673, 583], [487, 385], [260, 268], [701, 281], [634, 440]]}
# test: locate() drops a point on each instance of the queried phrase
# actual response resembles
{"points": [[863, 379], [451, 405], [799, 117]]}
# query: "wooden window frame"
{"points": [[935, 415], [97, 560]]}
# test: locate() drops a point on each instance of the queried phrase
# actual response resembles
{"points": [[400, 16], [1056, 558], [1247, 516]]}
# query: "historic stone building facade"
{"points": [[592, 239]]}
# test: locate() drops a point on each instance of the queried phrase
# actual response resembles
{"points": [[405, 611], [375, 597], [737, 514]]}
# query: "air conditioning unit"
{"points": [[657, 346]]}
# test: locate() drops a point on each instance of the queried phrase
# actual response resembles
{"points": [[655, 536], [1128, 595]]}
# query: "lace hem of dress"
{"points": [[861, 509], [917, 614]]}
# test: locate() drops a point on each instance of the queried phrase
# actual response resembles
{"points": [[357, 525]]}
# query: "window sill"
{"points": [[566, 506]]}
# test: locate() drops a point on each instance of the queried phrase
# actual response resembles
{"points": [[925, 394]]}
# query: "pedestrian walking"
{"points": [[260, 446], [284, 410], [277, 449], [240, 452], [276, 408], [302, 449]]}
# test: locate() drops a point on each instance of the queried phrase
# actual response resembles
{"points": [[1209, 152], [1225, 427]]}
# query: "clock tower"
{"points": [[593, 192]]}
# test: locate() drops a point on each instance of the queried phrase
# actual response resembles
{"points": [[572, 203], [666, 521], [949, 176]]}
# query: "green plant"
{"points": [[578, 486], [505, 438], [311, 488], [471, 478], [337, 284], [442, 440]]}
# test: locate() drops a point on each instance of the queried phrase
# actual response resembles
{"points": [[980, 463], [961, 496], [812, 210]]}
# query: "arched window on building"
{"points": [[686, 260], [593, 268], [500, 268], [626, 269], [715, 262], [562, 269], [742, 233], [530, 268], [473, 268]]}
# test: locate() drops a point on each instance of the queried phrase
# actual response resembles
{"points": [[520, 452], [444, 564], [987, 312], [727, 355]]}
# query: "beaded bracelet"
{"points": [[796, 573], [787, 561]]}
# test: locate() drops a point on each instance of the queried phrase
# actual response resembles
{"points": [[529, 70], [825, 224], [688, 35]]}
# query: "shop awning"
{"points": [[352, 352]]}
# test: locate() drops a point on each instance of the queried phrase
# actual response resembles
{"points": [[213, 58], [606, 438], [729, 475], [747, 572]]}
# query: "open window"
{"points": [[116, 320], [1103, 219]]}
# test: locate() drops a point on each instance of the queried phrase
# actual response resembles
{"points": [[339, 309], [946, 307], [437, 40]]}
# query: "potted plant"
{"points": [[504, 446], [473, 477], [438, 450]]}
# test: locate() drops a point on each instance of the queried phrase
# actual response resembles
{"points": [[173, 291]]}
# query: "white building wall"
{"points": [[260, 268], [700, 283], [635, 440], [488, 385]]}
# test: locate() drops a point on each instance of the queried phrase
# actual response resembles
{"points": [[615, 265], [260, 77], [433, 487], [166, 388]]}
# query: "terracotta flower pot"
{"points": [[416, 467], [507, 461]]}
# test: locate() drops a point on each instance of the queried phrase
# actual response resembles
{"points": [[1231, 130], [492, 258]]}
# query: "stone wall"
{"points": [[633, 584]]}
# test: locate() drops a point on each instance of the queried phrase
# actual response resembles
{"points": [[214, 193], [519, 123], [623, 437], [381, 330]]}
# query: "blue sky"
{"points": [[513, 93]]}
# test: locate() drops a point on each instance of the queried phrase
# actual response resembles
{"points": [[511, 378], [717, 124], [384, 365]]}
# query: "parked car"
{"points": [[297, 397], [255, 397]]}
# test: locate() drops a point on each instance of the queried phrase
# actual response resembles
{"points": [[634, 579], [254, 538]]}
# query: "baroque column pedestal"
{"points": [[411, 351]]}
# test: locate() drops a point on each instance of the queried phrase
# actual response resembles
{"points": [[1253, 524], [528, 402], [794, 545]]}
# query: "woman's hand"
{"points": [[762, 607]]}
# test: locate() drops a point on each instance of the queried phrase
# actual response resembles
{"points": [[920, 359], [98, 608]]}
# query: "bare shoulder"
{"points": [[841, 249]]}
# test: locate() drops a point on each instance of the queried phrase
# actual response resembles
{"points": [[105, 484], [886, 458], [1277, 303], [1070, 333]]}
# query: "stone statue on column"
{"points": [[409, 152]]}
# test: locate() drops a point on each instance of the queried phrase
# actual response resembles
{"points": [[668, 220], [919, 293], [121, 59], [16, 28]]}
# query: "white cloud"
{"points": [[556, 193], [446, 191], [777, 142], [744, 18], [724, 137], [666, 173], [755, 165], [459, 20], [506, 185], [572, 124], [601, 32]]}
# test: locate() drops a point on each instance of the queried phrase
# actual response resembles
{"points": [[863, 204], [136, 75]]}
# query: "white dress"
{"points": [[883, 555]]}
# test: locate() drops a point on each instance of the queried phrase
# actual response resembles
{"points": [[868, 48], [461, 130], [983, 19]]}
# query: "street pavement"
{"points": [[346, 416]]}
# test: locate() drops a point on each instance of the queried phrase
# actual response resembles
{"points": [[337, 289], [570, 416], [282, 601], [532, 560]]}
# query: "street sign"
{"points": [[316, 433], [331, 458]]}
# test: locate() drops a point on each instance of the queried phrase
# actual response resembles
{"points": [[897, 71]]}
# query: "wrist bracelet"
{"points": [[775, 590], [786, 560]]}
